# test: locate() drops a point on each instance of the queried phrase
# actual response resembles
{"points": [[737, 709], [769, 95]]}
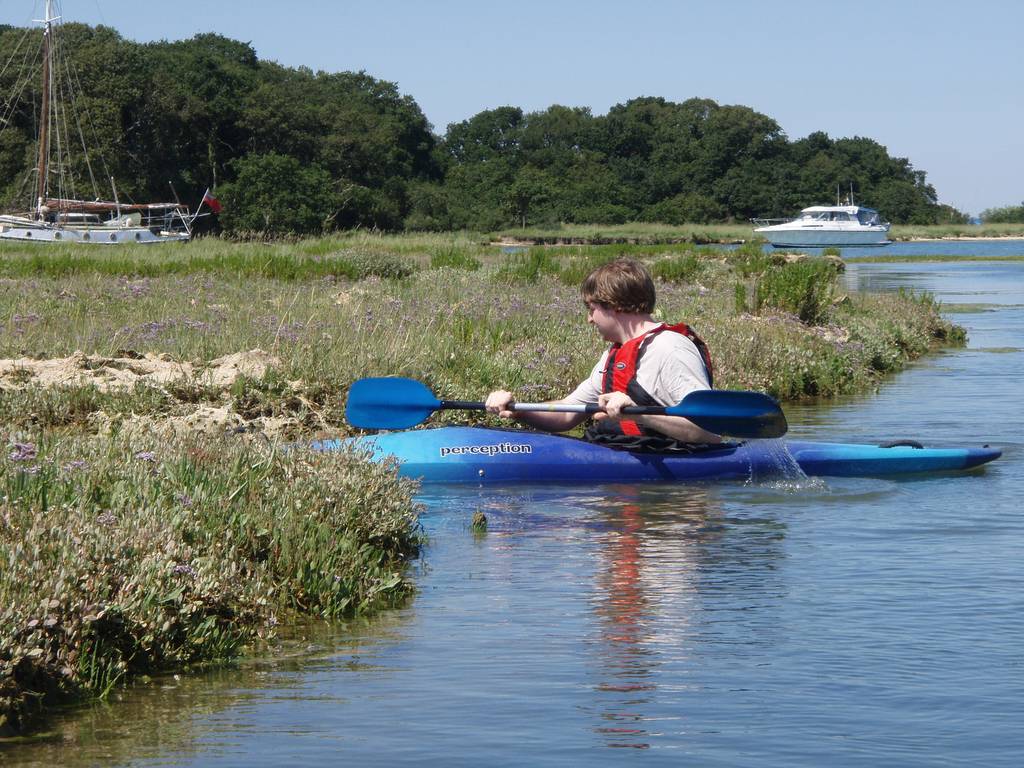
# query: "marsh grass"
{"points": [[453, 258], [276, 262], [953, 231], [515, 321], [121, 557], [633, 233]]}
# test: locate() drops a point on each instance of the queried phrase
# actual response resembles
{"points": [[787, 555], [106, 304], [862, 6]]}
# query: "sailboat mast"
{"points": [[44, 116]]}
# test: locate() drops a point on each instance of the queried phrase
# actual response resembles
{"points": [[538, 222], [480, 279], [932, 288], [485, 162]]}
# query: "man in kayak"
{"points": [[648, 363]]}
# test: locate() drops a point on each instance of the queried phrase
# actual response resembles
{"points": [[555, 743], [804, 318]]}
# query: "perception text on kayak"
{"points": [[485, 450]]}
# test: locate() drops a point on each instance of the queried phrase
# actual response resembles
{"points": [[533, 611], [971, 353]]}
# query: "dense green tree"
{"points": [[489, 135], [429, 207], [554, 139], [589, 193], [278, 195], [529, 196], [477, 194], [1013, 214], [199, 88], [947, 214]]}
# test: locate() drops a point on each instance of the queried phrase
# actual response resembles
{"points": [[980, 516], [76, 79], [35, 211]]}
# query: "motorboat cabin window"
{"points": [[813, 216], [868, 217]]}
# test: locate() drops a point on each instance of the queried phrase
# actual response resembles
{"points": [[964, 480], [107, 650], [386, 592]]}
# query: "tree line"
{"points": [[1011, 214], [290, 150]]}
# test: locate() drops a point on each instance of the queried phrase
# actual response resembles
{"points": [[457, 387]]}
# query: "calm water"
{"points": [[853, 622], [924, 248]]}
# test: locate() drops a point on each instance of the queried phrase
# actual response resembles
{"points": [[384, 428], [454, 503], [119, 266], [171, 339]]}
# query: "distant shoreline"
{"points": [[556, 241], [963, 237]]}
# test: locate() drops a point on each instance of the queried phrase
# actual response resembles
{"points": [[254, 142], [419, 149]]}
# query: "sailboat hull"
{"points": [[28, 231]]}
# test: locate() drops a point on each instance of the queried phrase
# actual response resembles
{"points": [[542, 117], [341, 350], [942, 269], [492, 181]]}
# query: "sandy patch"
{"points": [[130, 368], [208, 420], [125, 371]]}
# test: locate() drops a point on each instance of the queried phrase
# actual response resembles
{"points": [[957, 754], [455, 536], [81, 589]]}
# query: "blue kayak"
{"points": [[482, 455]]}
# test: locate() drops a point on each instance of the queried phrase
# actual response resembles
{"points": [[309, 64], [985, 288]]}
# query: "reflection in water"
{"points": [[626, 613], [178, 714], [659, 553]]}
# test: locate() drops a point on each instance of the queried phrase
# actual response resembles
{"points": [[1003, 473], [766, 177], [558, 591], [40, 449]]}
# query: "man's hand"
{"points": [[499, 402], [613, 403]]}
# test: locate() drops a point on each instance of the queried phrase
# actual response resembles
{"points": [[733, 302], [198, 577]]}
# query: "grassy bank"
{"points": [[955, 231], [121, 557], [462, 317], [636, 233]]}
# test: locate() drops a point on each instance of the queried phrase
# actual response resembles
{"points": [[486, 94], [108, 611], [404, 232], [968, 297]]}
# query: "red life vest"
{"points": [[620, 374]]}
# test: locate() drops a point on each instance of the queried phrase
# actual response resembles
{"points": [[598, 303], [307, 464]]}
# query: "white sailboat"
{"points": [[55, 213]]}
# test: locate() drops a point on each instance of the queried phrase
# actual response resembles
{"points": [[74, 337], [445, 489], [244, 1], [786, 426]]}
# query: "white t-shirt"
{"points": [[671, 367]]}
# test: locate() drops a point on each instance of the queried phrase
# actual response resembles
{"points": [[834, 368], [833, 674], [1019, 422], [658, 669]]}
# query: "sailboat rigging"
{"points": [[55, 216]]}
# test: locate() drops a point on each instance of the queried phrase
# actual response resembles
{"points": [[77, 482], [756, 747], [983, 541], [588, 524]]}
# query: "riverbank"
{"points": [[703, 234], [148, 522]]}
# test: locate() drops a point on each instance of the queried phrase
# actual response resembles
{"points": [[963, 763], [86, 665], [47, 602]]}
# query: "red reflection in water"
{"points": [[652, 546], [625, 608]]}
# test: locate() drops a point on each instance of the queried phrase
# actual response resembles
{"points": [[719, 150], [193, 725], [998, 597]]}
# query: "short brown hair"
{"points": [[623, 285]]}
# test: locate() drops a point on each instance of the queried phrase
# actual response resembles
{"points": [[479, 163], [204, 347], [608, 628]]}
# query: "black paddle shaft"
{"points": [[476, 405]]}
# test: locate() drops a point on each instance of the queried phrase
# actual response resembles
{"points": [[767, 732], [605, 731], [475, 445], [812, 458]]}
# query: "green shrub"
{"points": [[678, 269], [578, 266], [528, 266], [357, 265], [453, 257], [805, 288], [750, 259], [740, 292], [120, 558]]}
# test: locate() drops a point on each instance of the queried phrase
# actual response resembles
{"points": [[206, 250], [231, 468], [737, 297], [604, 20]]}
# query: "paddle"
{"points": [[394, 403]]}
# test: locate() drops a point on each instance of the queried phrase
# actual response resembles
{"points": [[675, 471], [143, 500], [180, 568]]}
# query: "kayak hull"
{"points": [[481, 455]]}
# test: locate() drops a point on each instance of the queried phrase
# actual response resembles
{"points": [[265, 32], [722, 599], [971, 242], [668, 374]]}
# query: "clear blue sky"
{"points": [[935, 81]]}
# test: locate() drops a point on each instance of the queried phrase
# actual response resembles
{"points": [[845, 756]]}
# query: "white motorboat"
{"points": [[56, 210], [821, 226]]}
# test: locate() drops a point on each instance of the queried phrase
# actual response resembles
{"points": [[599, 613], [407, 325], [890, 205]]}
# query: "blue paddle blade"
{"points": [[733, 412], [389, 403]]}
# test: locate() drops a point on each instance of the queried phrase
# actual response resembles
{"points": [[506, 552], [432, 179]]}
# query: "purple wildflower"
{"points": [[153, 328], [20, 321], [108, 518], [182, 569], [137, 288], [145, 456], [22, 452]]}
